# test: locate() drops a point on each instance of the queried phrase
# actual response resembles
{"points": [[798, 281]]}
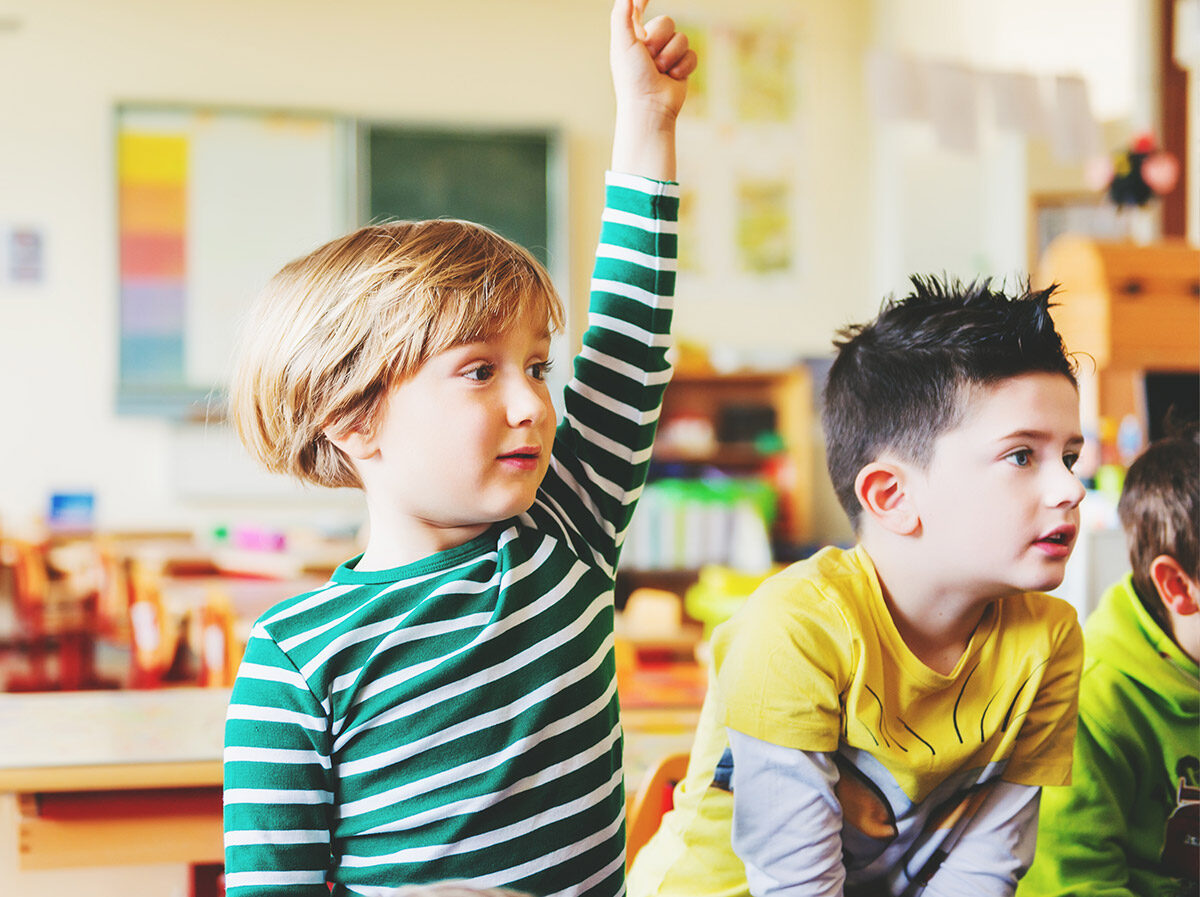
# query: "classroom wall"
{"points": [[520, 62], [526, 62], [965, 213]]}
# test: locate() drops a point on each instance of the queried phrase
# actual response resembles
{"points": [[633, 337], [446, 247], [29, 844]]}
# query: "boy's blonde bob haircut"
{"points": [[335, 329]]}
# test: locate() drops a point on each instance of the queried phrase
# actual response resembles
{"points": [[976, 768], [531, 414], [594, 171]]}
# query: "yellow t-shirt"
{"points": [[814, 662]]}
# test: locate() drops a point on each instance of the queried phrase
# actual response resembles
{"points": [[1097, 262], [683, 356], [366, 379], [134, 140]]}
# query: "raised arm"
{"points": [[650, 66], [602, 449]]}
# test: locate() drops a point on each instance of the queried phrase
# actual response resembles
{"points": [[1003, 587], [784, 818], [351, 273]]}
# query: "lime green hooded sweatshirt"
{"points": [[1130, 821]]}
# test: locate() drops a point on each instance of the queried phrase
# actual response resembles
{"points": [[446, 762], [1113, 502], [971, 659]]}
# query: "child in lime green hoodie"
{"points": [[1130, 821]]}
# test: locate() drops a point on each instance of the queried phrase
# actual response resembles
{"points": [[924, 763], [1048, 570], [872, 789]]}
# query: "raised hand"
{"points": [[650, 65], [650, 62]]}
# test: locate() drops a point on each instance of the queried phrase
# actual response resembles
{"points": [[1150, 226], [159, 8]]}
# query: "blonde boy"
{"points": [[445, 707], [879, 720]]}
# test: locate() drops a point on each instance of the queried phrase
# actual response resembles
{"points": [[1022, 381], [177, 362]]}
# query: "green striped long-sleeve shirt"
{"points": [[457, 718]]}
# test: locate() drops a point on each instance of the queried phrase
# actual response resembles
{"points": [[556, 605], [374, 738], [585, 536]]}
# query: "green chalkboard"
{"points": [[497, 178]]}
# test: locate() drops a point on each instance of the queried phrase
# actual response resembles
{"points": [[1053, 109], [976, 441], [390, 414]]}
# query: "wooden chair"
{"points": [[654, 797], [220, 649], [152, 636], [56, 631]]}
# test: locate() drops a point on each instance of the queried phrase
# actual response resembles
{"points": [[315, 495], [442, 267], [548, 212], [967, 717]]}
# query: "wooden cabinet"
{"points": [[1133, 309]]}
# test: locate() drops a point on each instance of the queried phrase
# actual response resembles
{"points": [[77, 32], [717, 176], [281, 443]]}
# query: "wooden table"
{"points": [[114, 778], [134, 777]]}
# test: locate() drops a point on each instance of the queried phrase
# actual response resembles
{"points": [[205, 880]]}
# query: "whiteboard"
{"points": [[262, 192]]}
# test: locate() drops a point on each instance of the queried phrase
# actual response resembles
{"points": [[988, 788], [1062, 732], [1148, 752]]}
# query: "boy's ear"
{"points": [[357, 444], [1179, 592], [882, 490]]}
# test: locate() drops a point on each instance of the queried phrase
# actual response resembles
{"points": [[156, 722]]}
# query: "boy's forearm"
{"points": [[786, 819], [996, 845]]}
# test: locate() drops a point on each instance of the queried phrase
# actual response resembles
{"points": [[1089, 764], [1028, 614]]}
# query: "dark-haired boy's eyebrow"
{"points": [[1042, 436]]}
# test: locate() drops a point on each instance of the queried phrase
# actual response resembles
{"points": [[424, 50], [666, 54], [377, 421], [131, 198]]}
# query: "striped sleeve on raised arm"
{"points": [[612, 403]]}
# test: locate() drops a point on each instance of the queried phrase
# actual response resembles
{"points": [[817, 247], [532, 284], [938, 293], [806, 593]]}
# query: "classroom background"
{"points": [[161, 160]]}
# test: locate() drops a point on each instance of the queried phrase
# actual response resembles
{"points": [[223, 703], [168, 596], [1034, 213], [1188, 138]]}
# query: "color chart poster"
{"points": [[152, 187], [211, 203]]}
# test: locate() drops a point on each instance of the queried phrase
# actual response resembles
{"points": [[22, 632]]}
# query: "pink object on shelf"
{"points": [[255, 538]]}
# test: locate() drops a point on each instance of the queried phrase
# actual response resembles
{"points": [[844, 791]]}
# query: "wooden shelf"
{"points": [[788, 393]]}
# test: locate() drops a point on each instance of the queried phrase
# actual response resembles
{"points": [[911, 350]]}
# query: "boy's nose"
{"points": [[1066, 490], [527, 403]]}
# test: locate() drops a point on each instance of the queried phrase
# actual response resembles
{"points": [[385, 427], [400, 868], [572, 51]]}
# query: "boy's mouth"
{"points": [[1057, 542], [526, 457]]}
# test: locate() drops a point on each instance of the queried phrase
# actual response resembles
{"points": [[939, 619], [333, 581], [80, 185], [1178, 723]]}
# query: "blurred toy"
{"points": [[1136, 175]]}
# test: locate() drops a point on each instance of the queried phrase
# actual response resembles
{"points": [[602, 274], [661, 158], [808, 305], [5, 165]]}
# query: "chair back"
{"points": [[31, 578], [151, 634], [654, 797], [113, 590], [220, 650]]}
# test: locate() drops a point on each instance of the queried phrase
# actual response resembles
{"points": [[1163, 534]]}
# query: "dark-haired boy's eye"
{"points": [[1021, 457], [1070, 459]]}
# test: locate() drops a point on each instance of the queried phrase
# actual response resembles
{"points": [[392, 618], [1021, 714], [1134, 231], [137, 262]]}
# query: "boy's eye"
{"points": [[539, 369], [1021, 457], [1069, 459], [481, 372]]}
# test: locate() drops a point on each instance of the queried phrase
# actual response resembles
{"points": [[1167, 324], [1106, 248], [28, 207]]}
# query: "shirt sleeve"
{"points": [[995, 847], [602, 448], [782, 664], [1082, 832], [787, 821], [278, 795], [1043, 751]]}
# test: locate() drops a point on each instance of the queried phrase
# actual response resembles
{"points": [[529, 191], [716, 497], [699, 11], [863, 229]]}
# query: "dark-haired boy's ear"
{"points": [[1179, 592], [881, 487], [357, 444]]}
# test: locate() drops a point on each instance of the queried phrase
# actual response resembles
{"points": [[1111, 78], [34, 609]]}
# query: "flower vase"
{"points": [[1141, 224]]}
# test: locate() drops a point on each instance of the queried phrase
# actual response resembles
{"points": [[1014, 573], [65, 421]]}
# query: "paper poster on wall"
{"points": [[764, 226], [151, 217], [26, 256], [897, 87], [689, 258], [698, 88], [954, 106], [1018, 103], [263, 191], [765, 74], [742, 148]]}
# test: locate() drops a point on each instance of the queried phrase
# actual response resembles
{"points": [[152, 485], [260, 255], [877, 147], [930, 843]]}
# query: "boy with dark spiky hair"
{"points": [[1130, 822], [881, 720]]}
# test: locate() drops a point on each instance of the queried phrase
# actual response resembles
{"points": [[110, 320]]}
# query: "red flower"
{"points": [[1143, 143]]}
